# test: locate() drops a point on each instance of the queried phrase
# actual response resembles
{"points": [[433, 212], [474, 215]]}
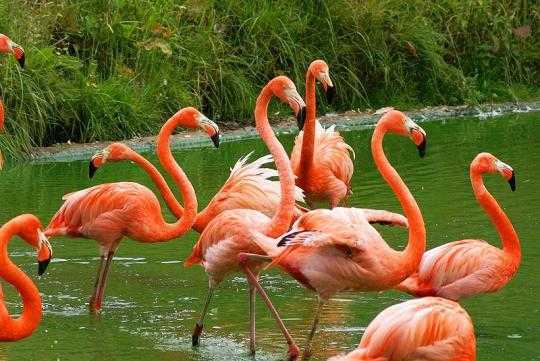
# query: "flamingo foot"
{"points": [[196, 334], [293, 352], [307, 354]]}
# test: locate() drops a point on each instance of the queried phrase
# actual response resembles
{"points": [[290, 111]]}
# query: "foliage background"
{"points": [[114, 69]]}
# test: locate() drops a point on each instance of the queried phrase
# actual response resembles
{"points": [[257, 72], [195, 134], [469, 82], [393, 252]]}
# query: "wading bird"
{"points": [[8, 46], [108, 212], [28, 227], [468, 267], [249, 185], [430, 329], [229, 233], [320, 158], [330, 251]]}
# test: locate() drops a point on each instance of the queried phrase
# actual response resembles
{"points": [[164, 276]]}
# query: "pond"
{"points": [[152, 301]]}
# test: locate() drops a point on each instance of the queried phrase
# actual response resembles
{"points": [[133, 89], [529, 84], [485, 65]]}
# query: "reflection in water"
{"points": [[153, 301]]}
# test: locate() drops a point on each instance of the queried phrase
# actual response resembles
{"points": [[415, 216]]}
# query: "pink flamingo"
{"points": [[330, 251], [429, 328], [249, 185], [229, 234], [7, 46], [28, 227], [108, 212], [469, 267], [328, 175]]}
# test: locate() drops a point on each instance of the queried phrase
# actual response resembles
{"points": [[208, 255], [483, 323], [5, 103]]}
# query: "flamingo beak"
{"points": [[422, 147], [330, 94], [215, 139], [97, 160], [512, 181], [301, 118], [44, 253], [91, 169], [18, 52]]}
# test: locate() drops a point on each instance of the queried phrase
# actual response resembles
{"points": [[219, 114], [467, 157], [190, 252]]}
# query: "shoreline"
{"points": [[350, 120]]}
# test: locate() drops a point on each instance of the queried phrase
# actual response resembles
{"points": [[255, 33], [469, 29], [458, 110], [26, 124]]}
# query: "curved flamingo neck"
{"points": [[308, 140], [168, 162], [16, 329], [417, 233], [500, 220], [282, 218], [164, 189]]}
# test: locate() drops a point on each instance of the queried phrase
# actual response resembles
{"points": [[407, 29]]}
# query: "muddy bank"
{"points": [[231, 132]]}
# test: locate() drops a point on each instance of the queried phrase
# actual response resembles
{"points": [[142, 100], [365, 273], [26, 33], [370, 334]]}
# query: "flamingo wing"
{"points": [[250, 186]]}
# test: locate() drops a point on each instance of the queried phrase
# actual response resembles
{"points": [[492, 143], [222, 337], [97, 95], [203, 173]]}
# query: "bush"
{"points": [[112, 69]]}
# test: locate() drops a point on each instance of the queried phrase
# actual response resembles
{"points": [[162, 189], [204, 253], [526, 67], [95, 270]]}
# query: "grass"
{"points": [[114, 69]]}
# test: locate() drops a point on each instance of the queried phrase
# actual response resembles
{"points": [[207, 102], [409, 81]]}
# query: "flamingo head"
{"points": [[114, 152], [488, 163], [32, 233], [319, 69], [283, 88], [397, 122], [18, 53], [190, 117]]}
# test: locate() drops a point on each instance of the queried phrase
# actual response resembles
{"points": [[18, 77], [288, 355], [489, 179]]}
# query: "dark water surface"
{"points": [[152, 301]]}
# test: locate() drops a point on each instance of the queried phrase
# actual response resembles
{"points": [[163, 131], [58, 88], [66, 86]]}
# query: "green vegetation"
{"points": [[112, 69]]}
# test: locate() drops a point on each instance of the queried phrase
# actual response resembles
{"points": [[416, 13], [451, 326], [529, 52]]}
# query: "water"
{"points": [[152, 301]]}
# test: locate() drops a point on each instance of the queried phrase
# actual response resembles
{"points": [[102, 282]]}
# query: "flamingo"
{"points": [[248, 186], [229, 233], [28, 227], [328, 175], [108, 212], [330, 251], [7, 46], [430, 329], [469, 267]]}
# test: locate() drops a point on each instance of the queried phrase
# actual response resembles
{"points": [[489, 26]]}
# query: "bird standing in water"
{"points": [[468, 267]]}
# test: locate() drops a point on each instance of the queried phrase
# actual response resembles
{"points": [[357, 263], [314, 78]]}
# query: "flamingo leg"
{"points": [[307, 351], [99, 275], [252, 295], [199, 325], [293, 349], [95, 303]]}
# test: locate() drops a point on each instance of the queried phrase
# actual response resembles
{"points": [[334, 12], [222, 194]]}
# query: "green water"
{"points": [[152, 301]]}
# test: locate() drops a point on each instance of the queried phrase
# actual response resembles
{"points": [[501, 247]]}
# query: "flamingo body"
{"points": [[329, 177], [428, 329], [107, 213]]}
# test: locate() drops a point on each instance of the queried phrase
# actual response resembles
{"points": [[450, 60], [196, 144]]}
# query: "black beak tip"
{"points": [[42, 266], [21, 61], [91, 170], [512, 182], [301, 118], [422, 148], [330, 94], [215, 139]]}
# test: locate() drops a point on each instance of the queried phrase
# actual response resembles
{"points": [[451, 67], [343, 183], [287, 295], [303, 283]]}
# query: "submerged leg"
{"points": [[199, 325], [307, 351], [252, 295], [97, 299], [252, 279], [98, 278]]}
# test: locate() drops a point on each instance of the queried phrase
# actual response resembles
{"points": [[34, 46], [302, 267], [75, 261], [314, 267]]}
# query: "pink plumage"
{"points": [[428, 329]]}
